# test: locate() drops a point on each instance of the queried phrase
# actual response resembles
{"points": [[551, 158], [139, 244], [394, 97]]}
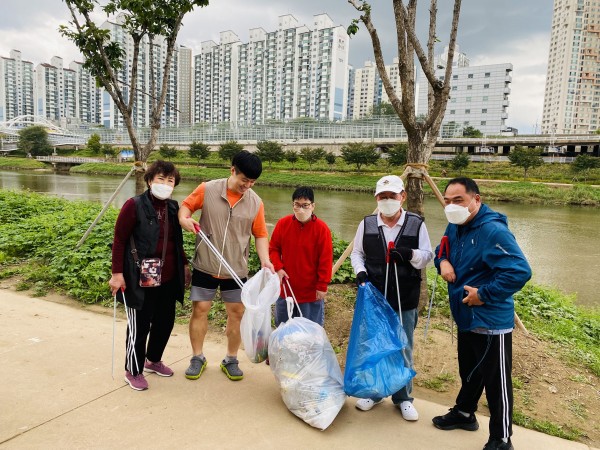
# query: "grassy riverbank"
{"points": [[38, 235], [499, 181]]}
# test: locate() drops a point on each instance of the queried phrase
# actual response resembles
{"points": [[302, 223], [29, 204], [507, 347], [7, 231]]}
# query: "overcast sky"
{"points": [[490, 32]]}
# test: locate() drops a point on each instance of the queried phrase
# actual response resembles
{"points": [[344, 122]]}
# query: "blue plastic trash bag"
{"points": [[375, 365]]}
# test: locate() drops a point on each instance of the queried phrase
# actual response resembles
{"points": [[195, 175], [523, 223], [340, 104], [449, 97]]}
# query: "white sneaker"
{"points": [[366, 404], [409, 412]]}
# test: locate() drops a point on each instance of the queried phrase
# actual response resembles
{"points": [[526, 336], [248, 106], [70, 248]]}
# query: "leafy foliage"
{"points": [[292, 157], [460, 161], [472, 132], [228, 150], [199, 150], [167, 151], [330, 158], [397, 155], [94, 145], [312, 155], [526, 158], [34, 140], [359, 154], [269, 151], [583, 164]]}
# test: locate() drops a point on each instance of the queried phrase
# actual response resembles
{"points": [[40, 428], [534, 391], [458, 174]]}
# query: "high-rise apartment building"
{"points": [[149, 65], [294, 71], [184, 85], [215, 80], [572, 95], [479, 95], [16, 86], [88, 108], [367, 90]]}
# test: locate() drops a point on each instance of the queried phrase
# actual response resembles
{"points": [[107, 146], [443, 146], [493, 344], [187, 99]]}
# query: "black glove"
{"points": [[401, 254], [361, 277]]}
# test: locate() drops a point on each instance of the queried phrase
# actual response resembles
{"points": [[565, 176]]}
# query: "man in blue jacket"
{"points": [[484, 266]]}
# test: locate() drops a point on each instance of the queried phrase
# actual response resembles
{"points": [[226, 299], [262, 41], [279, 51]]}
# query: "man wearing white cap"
{"points": [[411, 252]]}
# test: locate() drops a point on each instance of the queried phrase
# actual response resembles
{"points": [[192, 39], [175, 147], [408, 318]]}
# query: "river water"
{"points": [[561, 243]]}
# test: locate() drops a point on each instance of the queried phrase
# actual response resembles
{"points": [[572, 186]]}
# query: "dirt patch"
{"points": [[547, 389]]}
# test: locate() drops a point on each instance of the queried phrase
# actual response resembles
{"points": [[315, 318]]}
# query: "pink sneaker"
{"points": [[158, 368], [137, 382]]}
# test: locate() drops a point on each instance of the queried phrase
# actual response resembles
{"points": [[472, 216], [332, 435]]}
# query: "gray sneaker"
{"points": [[197, 365], [232, 369]]}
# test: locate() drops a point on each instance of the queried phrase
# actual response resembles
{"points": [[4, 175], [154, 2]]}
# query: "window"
{"points": [[452, 111], [468, 99], [470, 75], [467, 111], [485, 98], [486, 86], [483, 122], [487, 75], [455, 77], [484, 111], [454, 88], [469, 87]]}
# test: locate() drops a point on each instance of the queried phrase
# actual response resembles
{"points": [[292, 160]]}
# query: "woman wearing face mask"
{"points": [[301, 249], [149, 222], [411, 253]]}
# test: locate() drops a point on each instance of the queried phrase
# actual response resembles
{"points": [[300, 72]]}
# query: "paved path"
{"points": [[56, 391]]}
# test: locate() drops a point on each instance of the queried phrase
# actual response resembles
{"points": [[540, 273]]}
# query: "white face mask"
{"points": [[161, 191], [389, 206], [457, 214], [303, 215]]}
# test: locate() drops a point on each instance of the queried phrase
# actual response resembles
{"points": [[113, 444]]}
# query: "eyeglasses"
{"points": [[301, 205]]}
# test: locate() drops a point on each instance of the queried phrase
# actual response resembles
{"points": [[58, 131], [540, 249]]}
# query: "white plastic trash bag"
{"points": [[309, 375], [258, 294]]}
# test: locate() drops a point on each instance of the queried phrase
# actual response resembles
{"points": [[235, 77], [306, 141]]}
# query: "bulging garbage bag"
{"points": [[309, 375], [258, 294], [375, 364]]}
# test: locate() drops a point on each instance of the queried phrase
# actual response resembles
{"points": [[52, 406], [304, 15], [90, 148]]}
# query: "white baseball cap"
{"points": [[389, 183]]}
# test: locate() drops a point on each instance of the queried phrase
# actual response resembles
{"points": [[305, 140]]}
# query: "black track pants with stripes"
{"points": [[485, 361], [152, 324]]}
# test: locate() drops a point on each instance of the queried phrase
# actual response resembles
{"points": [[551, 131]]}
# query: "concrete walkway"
{"points": [[57, 392]]}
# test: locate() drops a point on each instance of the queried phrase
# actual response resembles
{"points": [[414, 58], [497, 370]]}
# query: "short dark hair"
{"points": [[165, 168], [247, 163], [469, 184], [304, 192]]}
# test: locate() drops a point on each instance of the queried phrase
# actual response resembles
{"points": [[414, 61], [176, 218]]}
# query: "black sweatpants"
{"points": [[485, 361], [156, 318]]}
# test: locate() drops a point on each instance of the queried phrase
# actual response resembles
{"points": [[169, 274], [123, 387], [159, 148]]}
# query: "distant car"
{"points": [[485, 149], [554, 149]]}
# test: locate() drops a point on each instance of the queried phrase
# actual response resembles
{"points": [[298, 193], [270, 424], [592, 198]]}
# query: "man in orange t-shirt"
{"points": [[231, 213]]}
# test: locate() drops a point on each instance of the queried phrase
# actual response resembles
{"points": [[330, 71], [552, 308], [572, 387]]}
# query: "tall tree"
{"points": [[199, 150], [422, 134], [34, 140], [312, 155], [269, 151], [359, 154], [227, 150], [104, 57], [526, 158], [93, 144]]}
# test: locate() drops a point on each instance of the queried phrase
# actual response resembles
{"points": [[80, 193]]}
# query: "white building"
{"points": [[479, 95], [294, 71], [88, 95], [215, 80], [16, 86], [55, 91], [572, 95], [367, 91], [148, 66], [184, 85]]}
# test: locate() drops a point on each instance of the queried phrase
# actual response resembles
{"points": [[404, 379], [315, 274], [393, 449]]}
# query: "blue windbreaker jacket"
{"points": [[485, 255]]}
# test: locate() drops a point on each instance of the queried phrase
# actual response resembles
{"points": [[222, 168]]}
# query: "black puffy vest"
{"points": [[145, 235], [375, 248]]}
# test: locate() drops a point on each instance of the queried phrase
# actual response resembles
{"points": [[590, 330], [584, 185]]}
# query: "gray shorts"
{"points": [[204, 288]]}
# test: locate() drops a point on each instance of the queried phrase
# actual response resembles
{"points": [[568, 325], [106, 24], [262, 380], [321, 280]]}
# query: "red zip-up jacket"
{"points": [[305, 252]]}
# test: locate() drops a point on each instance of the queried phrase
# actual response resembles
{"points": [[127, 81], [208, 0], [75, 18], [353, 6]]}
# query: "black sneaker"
{"points": [[499, 444], [454, 420]]}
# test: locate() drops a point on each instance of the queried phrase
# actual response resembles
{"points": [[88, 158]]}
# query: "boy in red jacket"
{"points": [[301, 249]]}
